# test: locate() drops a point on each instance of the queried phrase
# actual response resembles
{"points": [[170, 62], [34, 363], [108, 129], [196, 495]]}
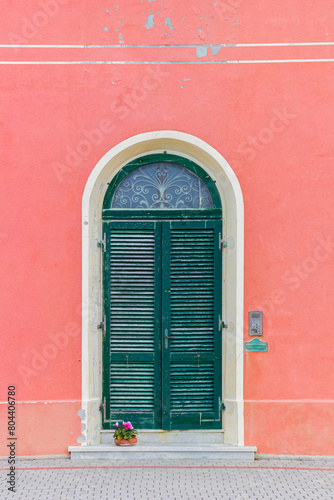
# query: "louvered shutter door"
{"points": [[191, 304], [162, 345], [132, 351]]}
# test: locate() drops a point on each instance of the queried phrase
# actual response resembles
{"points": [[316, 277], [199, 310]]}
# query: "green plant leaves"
{"points": [[122, 432]]}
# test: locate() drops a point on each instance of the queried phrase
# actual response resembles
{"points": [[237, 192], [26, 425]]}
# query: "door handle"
{"points": [[166, 339]]}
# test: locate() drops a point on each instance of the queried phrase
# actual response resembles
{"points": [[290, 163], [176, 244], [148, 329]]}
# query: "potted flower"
{"points": [[125, 434]]}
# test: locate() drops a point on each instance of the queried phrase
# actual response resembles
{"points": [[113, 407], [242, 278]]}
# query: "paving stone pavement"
{"points": [[173, 479]]}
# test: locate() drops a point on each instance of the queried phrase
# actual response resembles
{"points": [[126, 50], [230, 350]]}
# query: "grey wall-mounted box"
{"points": [[255, 323]]}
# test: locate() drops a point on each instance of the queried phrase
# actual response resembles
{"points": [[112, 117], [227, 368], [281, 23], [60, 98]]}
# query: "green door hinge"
{"points": [[221, 407], [221, 324], [102, 325], [222, 243], [102, 407], [102, 243]]}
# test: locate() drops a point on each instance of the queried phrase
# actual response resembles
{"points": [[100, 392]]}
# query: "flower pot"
{"points": [[125, 442]]}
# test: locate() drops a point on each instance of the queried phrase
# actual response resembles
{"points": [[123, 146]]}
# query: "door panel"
{"points": [[162, 348], [191, 268], [132, 344]]}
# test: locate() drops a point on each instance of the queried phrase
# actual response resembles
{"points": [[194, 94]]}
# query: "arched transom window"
{"points": [[161, 186]]}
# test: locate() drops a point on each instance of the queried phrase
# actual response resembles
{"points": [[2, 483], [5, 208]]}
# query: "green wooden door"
{"points": [[162, 365]]}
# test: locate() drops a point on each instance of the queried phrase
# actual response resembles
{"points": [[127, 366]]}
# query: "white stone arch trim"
{"points": [[227, 183]]}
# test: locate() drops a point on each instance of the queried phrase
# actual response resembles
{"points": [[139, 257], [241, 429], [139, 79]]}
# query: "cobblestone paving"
{"points": [[162, 480]]}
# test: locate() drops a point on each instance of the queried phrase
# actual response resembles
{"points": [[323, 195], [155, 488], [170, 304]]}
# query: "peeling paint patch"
{"points": [[82, 413], [120, 38], [186, 79], [201, 50], [181, 86], [106, 29], [81, 439], [215, 49], [150, 22], [169, 24]]}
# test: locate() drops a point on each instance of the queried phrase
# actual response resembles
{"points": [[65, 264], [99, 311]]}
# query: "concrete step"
{"points": [[162, 452], [157, 436]]}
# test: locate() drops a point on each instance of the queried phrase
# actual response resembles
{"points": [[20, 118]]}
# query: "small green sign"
{"points": [[256, 345]]}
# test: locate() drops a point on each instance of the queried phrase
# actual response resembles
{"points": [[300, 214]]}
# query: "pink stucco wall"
{"points": [[273, 123]]}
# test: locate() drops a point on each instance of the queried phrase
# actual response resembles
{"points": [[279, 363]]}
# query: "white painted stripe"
{"points": [[301, 401], [42, 401], [269, 61], [121, 46]]}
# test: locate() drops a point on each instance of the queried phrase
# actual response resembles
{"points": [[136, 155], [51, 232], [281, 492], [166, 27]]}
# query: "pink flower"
{"points": [[116, 425], [127, 425]]}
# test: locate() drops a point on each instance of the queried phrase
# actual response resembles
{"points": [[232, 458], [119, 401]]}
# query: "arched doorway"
{"points": [[162, 282], [211, 161]]}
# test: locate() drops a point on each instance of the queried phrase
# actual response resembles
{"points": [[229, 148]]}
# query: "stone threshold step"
{"points": [[158, 436], [161, 431], [162, 451]]}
